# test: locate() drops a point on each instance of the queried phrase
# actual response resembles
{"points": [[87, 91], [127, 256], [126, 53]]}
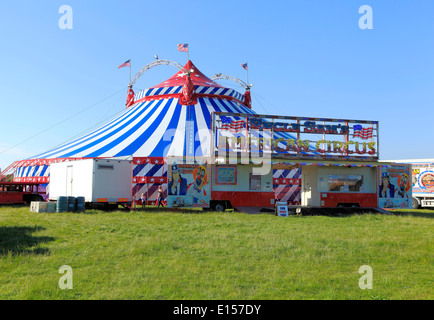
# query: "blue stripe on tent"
{"points": [[197, 148], [35, 170], [224, 92], [158, 91], [205, 112], [138, 141], [94, 133], [165, 142], [114, 132], [241, 108], [44, 169], [214, 105], [82, 139], [213, 91], [136, 144], [229, 108]]}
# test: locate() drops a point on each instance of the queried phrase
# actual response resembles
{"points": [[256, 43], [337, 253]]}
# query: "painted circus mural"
{"points": [[394, 186]]}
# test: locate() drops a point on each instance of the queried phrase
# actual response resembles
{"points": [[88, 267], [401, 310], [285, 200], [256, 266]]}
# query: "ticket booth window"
{"points": [[345, 183]]}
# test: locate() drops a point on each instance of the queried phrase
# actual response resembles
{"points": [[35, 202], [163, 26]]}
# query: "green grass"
{"points": [[161, 254]]}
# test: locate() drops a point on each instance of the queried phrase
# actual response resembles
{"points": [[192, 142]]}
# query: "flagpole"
{"points": [[130, 71], [247, 64]]}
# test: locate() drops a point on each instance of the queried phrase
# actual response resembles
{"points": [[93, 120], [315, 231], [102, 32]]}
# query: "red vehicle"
{"points": [[20, 192]]}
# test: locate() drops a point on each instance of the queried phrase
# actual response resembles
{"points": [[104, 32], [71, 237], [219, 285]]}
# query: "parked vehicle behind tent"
{"points": [[422, 182], [104, 183], [20, 192]]}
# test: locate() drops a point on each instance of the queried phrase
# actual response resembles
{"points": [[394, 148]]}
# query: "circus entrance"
{"points": [[287, 183]]}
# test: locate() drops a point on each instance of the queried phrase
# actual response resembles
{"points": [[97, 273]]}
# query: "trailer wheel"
{"points": [[219, 206], [416, 204]]}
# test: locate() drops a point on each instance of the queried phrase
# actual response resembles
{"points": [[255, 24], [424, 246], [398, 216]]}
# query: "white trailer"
{"points": [[422, 181], [102, 182]]}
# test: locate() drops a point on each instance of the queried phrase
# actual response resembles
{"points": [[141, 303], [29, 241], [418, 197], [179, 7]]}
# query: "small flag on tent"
{"points": [[363, 133], [183, 47], [244, 65], [232, 125], [125, 64]]}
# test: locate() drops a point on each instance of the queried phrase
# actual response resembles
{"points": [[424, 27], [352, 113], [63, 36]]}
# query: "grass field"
{"points": [[208, 255]]}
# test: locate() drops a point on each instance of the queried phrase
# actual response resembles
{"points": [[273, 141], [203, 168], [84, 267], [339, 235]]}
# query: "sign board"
{"points": [[188, 184], [282, 209], [226, 175], [394, 186], [423, 177], [295, 137]]}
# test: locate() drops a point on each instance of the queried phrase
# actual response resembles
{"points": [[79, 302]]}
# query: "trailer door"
{"points": [[310, 195], [69, 180]]}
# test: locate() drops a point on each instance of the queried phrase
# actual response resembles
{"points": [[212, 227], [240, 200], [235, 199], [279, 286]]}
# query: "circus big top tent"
{"points": [[314, 161], [169, 119]]}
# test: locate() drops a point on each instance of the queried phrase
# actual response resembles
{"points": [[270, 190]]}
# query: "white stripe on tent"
{"points": [[149, 145], [96, 134], [102, 134], [136, 134], [178, 134], [204, 132]]}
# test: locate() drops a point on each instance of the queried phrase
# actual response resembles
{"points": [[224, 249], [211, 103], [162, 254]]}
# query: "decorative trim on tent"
{"points": [[167, 92]]}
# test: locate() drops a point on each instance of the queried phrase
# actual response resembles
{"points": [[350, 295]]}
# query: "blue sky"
{"points": [[306, 58]]}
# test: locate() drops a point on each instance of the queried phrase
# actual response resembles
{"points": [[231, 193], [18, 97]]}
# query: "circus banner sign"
{"points": [[295, 137]]}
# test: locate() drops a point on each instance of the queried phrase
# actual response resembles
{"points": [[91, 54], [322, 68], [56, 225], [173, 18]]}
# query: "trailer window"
{"points": [[255, 182], [105, 166], [345, 183]]}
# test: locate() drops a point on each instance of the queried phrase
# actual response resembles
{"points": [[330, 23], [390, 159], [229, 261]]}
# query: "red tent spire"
{"points": [[197, 78]]}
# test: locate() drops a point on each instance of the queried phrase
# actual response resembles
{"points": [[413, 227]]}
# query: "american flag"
{"points": [[125, 64], [232, 125], [183, 47], [244, 65], [362, 133]]}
